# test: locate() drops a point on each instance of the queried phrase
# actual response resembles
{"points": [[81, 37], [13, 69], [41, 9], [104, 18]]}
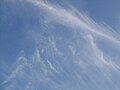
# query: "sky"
{"points": [[59, 44]]}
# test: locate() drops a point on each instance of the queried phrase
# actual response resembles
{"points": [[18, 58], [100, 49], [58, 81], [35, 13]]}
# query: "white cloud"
{"points": [[102, 60], [42, 67], [21, 64], [75, 19]]}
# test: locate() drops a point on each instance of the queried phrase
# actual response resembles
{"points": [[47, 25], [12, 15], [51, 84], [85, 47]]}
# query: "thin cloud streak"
{"points": [[81, 21]]}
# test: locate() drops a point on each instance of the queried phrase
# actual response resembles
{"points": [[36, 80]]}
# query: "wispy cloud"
{"points": [[80, 21], [75, 19], [54, 61], [100, 56], [18, 69]]}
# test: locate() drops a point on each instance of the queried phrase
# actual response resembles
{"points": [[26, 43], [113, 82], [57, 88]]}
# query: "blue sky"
{"points": [[59, 45], [102, 11], [106, 11]]}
